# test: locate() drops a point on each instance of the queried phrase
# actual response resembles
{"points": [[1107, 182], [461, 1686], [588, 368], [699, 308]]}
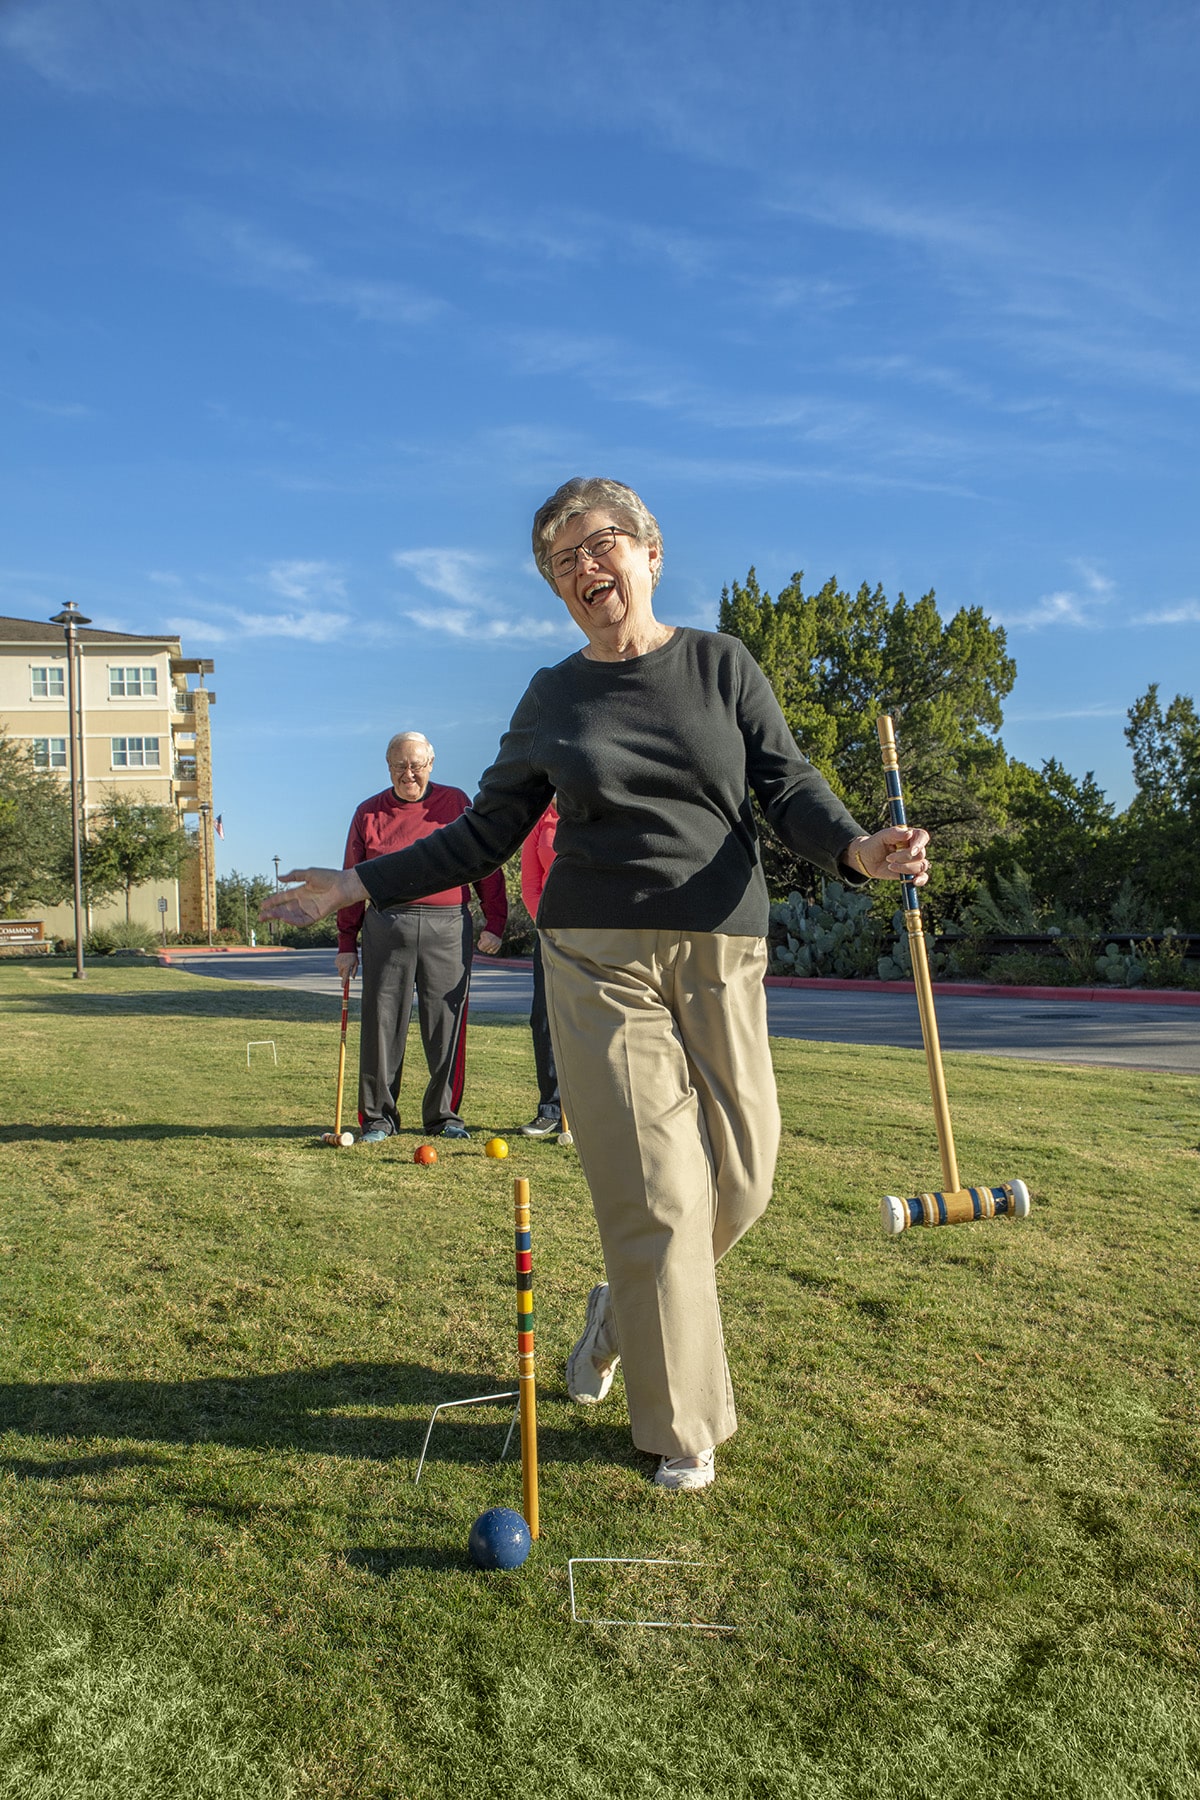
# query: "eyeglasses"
{"points": [[599, 544], [410, 768]]}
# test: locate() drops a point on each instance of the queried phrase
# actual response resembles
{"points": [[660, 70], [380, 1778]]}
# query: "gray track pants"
{"points": [[429, 947]]}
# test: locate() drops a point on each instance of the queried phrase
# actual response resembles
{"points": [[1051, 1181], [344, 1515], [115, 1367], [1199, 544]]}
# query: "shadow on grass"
{"points": [[284, 1005], [27, 1468], [385, 1563], [122, 1134], [314, 1411]]}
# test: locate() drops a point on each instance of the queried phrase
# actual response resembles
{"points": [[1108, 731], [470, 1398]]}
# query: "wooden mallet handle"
{"points": [[337, 1111]]}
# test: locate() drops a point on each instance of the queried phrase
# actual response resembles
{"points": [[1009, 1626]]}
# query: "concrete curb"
{"points": [[166, 957]]}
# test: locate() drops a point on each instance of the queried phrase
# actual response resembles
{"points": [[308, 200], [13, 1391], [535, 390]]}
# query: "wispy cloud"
{"points": [[476, 628], [319, 616], [1099, 711], [454, 573], [477, 614], [1186, 613], [232, 623], [62, 409], [1080, 607], [240, 252], [307, 581]]}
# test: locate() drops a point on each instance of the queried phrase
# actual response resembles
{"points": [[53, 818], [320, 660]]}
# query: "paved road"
{"points": [[1068, 1031]]}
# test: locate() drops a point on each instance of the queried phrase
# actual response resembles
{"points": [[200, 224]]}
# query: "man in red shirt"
{"points": [[537, 854], [426, 943]]}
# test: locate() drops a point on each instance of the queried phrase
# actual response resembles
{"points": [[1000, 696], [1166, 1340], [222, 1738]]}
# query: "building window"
{"points": [[135, 753], [50, 753], [47, 683], [132, 684]]}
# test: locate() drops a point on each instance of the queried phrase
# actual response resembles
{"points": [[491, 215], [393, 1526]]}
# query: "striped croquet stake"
{"points": [[526, 1387], [955, 1204]]}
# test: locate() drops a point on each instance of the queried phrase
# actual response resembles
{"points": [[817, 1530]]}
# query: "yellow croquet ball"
{"points": [[496, 1147]]}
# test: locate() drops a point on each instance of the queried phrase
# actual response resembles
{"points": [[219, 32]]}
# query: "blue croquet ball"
{"points": [[499, 1539]]}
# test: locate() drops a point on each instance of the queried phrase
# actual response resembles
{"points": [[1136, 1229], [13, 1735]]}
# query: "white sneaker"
{"points": [[593, 1362], [687, 1472]]}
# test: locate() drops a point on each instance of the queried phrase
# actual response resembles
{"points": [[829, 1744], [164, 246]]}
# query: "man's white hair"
{"points": [[408, 737]]}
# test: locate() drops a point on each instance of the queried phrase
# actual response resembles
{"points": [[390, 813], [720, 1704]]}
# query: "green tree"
{"points": [[35, 833], [131, 841], [1158, 836], [239, 898], [1061, 833], [836, 661]]}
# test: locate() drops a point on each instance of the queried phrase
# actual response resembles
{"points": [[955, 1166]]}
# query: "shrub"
{"points": [[896, 964], [310, 937], [1078, 944], [1032, 968], [963, 953], [1121, 968], [103, 940], [837, 935]]}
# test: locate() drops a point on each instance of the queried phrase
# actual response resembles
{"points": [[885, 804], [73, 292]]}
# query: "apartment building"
{"points": [[143, 733]]}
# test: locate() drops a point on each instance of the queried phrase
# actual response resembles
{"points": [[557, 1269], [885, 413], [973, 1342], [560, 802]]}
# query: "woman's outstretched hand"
{"points": [[321, 891]]}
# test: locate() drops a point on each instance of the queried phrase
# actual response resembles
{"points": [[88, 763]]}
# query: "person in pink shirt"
{"points": [[426, 944], [537, 854]]}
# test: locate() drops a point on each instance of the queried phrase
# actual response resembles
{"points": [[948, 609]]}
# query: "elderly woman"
{"points": [[653, 924]]}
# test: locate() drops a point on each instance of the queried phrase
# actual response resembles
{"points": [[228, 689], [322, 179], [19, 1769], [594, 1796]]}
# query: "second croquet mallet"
{"points": [[526, 1386], [954, 1205], [334, 1137]]}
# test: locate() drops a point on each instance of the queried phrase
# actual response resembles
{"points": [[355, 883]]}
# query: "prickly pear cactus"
{"points": [[896, 964], [836, 935], [1122, 968]]}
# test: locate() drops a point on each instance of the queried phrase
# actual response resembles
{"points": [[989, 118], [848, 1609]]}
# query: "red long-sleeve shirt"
{"points": [[537, 854], [385, 823]]}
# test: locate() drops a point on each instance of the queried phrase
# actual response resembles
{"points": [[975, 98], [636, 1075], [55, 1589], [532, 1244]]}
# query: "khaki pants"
{"points": [[665, 1072]]}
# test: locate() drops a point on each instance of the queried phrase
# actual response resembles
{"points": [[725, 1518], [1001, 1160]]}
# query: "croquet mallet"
{"points": [[564, 1133], [334, 1137], [954, 1205]]}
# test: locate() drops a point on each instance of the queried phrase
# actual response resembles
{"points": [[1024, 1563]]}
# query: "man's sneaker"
{"points": [[545, 1125], [376, 1135], [687, 1472], [455, 1129], [593, 1362]]}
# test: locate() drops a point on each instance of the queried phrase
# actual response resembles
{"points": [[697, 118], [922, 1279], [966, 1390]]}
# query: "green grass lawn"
{"points": [[958, 1531]]}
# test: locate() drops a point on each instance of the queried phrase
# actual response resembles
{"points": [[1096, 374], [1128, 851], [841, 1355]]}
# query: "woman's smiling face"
{"points": [[608, 595]]}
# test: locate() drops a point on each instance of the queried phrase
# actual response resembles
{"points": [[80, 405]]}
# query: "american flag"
{"points": [[217, 825]]}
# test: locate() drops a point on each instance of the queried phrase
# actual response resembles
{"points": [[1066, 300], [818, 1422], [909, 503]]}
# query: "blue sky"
{"points": [[306, 306]]}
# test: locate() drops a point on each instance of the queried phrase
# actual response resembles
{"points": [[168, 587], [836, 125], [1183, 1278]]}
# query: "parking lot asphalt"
{"points": [[1122, 1034]]}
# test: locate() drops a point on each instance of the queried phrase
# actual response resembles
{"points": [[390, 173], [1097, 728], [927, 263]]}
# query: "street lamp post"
{"points": [[205, 810], [274, 926], [70, 618]]}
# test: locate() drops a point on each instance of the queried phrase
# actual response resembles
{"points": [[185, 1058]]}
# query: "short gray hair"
{"points": [[408, 737], [582, 494]]}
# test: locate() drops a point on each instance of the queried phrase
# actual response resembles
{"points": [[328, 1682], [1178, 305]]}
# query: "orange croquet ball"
{"points": [[496, 1147], [424, 1153]]}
